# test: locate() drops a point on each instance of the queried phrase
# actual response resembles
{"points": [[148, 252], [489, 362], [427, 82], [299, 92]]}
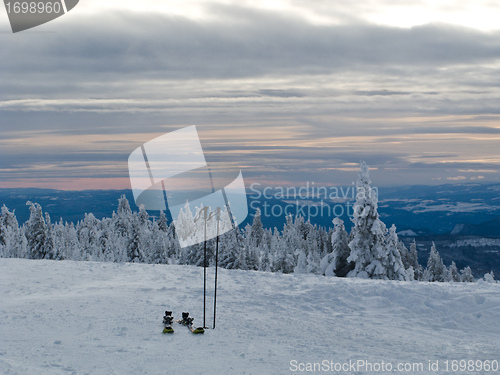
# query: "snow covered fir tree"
{"points": [[373, 251], [370, 250]]}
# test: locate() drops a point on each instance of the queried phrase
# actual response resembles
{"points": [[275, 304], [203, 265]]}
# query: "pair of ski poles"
{"points": [[208, 217]]}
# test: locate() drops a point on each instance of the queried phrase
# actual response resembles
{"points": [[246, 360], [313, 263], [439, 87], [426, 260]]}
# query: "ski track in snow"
{"points": [[66, 317]]}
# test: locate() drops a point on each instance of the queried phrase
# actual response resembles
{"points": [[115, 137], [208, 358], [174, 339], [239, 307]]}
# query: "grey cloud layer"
{"points": [[145, 74], [241, 43]]}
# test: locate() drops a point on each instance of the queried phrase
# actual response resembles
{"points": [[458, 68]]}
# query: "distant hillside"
{"points": [[71, 206], [425, 210], [489, 228]]}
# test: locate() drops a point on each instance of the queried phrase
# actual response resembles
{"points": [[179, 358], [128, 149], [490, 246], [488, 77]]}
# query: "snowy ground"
{"points": [[63, 317]]}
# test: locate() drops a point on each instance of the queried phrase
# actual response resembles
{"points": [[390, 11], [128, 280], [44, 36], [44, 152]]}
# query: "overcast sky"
{"points": [[288, 91]]}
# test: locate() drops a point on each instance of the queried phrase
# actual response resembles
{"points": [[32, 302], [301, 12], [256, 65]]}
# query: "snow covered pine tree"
{"points": [[369, 250]]}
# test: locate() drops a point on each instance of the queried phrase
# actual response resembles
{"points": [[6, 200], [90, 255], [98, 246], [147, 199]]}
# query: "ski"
{"points": [[167, 322], [188, 322]]}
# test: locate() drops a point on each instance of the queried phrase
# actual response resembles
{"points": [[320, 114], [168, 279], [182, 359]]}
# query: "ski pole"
{"points": [[198, 216], [216, 263], [216, 214], [205, 274]]}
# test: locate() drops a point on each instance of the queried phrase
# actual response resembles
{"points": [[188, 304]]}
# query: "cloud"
{"points": [[252, 59], [382, 92], [281, 93], [277, 93], [239, 42], [481, 14]]}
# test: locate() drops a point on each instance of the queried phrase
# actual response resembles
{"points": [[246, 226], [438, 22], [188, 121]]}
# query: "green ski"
{"points": [[188, 322], [167, 322]]}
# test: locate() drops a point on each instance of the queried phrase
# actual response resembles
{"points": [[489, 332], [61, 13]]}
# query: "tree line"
{"points": [[370, 250]]}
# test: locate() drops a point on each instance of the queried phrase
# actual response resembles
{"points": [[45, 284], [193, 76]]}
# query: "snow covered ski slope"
{"points": [[65, 317]]}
